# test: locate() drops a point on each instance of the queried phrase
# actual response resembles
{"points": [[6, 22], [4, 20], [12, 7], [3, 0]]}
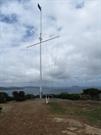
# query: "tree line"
{"points": [[86, 94], [16, 96]]}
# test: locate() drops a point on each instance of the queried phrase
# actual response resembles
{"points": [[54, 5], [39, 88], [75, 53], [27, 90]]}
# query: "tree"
{"points": [[93, 93], [15, 95], [3, 97], [19, 96]]}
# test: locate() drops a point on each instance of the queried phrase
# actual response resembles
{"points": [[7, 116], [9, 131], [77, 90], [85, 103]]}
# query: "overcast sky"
{"points": [[72, 59]]}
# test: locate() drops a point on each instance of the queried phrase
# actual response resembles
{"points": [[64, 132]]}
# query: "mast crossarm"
{"points": [[43, 41]]}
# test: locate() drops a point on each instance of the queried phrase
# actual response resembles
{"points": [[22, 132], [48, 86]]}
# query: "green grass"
{"points": [[90, 113], [93, 115], [56, 108]]}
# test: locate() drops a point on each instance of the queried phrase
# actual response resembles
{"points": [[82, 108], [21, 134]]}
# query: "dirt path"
{"points": [[34, 118], [27, 118]]}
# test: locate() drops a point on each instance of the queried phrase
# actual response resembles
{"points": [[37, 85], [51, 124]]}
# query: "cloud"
{"points": [[8, 19], [78, 4], [72, 59]]}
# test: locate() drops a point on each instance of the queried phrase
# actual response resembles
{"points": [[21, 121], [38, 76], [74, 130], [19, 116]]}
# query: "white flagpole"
{"points": [[41, 41], [40, 50]]}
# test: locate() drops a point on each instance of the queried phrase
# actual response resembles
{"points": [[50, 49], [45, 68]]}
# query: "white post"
{"points": [[47, 99]]}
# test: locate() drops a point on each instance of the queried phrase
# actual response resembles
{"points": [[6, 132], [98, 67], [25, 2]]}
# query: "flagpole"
{"points": [[40, 42], [40, 50]]}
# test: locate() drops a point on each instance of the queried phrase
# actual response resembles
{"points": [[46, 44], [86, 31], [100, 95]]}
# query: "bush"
{"points": [[0, 109], [92, 93], [63, 95], [10, 98], [3, 97], [19, 96], [74, 96], [15, 95], [68, 96], [30, 96]]}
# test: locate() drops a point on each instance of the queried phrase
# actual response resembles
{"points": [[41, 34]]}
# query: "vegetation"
{"points": [[56, 108], [3, 97], [68, 96], [17, 96], [30, 96], [21, 96], [92, 93], [0, 109], [88, 111]]}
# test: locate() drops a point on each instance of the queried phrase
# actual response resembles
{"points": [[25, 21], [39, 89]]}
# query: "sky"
{"points": [[73, 59]]}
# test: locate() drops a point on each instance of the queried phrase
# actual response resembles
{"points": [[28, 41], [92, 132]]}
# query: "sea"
{"points": [[45, 90], [33, 90]]}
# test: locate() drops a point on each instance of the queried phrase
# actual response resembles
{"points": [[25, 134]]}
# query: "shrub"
{"points": [[3, 97], [68, 96], [74, 96], [19, 96], [0, 109], [15, 95], [92, 93], [30, 96]]}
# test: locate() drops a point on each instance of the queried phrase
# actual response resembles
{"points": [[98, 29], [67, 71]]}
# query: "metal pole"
{"points": [[41, 41], [40, 54]]}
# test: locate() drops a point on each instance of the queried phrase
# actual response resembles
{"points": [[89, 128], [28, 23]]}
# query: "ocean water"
{"points": [[27, 91], [45, 90], [34, 91]]}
